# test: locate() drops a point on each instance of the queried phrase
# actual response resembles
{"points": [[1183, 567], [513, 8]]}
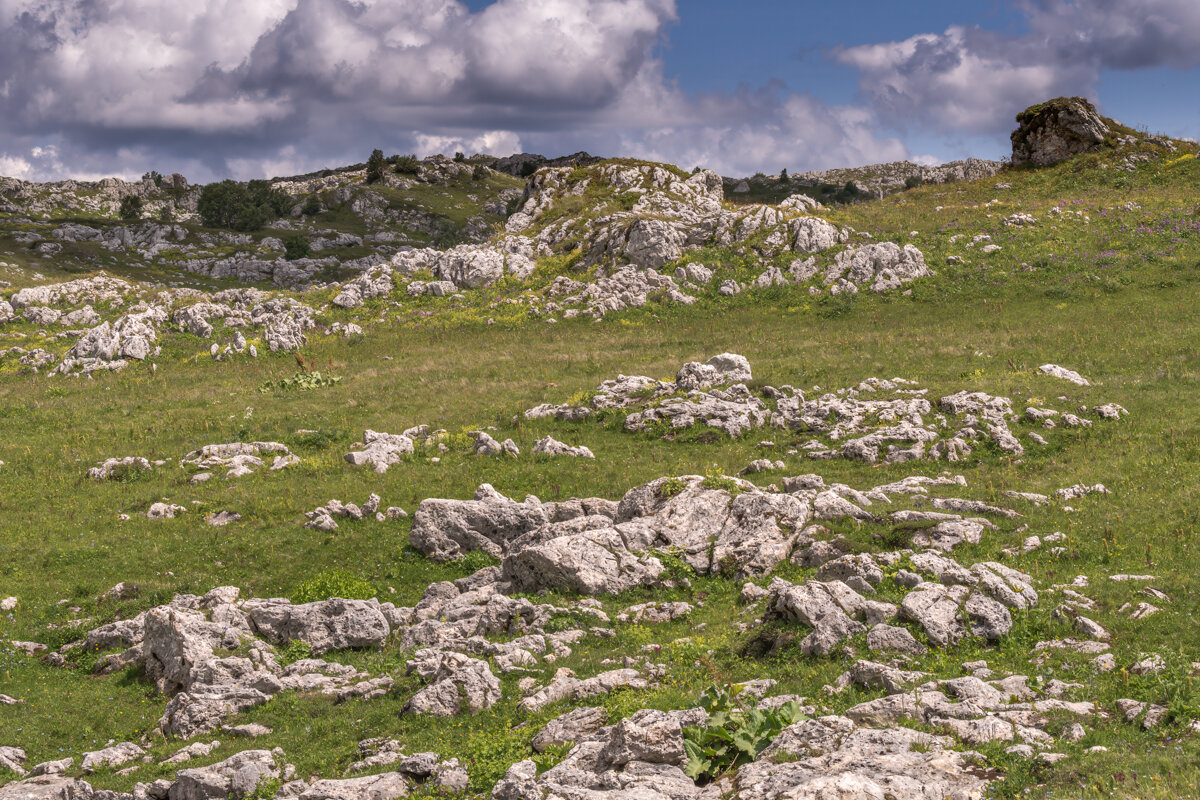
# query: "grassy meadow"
{"points": [[1109, 287]]}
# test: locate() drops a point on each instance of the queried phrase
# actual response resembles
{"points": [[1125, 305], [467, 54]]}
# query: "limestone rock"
{"points": [[1056, 130], [570, 728], [334, 624]]}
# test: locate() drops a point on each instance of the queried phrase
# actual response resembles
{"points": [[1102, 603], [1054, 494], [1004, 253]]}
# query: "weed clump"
{"points": [[333, 583]]}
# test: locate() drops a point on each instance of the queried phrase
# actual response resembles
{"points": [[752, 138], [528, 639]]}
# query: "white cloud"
{"points": [[964, 79], [491, 142], [971, 80], [268, 87], [14, 166]]}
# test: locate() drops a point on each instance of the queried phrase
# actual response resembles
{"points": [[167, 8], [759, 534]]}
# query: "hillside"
{"points": [[604, 482]]}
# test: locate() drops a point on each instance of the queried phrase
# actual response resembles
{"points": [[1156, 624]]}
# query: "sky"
{"points": [[263, 88]]}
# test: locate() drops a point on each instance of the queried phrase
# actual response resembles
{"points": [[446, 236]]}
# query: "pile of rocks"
{"points": [[242, 774], [134, 334], [239, 458], [324, 518], [878, 420]]}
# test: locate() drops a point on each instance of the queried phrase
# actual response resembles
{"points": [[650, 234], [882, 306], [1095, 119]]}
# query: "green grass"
{"points": [[1117, 299]]}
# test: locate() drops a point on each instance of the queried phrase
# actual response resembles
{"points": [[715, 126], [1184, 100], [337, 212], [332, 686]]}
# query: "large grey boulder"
{"points": [[388, 786], [813, 235], [285, 333], [47, 787], [720, 369], [652, 243], [234, 778], [457, 683], [936, 609], [653, 737], [831, 760], [1056, 130], [566, 686], [550, 446], [445, 529], [602, 560], [570, 728], [177, 643], [113, 756], [334, 624], [381, 450]]}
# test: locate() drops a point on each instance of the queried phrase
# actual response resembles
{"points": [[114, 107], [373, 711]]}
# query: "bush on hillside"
{"points": [[131, 207], [407, 165], [295, 247], [241, 206]]}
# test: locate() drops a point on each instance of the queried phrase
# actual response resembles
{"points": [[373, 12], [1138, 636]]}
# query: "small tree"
{"points": [[479, 173], [460, 157], [165, 215], [375, 165], [295, 247], [131, 207], [312, 206], [154, 176], [783, 176]]}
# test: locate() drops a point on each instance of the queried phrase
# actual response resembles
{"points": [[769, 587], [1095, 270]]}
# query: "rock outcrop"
{"points": [[1054, 131]]}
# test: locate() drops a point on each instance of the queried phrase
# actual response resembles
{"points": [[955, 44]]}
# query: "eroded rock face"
{"points": [[334, 624], [375, 282], [457, 683], [47, 787], [881, 267], [1056, 130], [472, 266], [444, 529], [236, 776], [388, 786], [573, 726], [834, 759]]}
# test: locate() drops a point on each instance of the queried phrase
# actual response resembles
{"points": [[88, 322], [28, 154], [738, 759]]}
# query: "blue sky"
{"points": [[721, 46], [275, 87]]}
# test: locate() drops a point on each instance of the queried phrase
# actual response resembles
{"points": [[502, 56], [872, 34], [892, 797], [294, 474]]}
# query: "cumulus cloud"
{"points": [[1119, 34], [490, 142], [973, 80], [271, 87]]}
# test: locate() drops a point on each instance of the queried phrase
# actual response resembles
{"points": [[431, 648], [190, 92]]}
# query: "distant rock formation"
{"points": [[1053, 131]]}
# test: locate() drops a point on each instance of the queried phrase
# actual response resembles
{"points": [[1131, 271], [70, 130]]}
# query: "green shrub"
{"points": [[715, 479], [333, 583], [241, 206], [296, 650], [295, 247], [670, 487], [733, 735], [131, 207], [312, 206], [265, 789], [407, 165]]}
